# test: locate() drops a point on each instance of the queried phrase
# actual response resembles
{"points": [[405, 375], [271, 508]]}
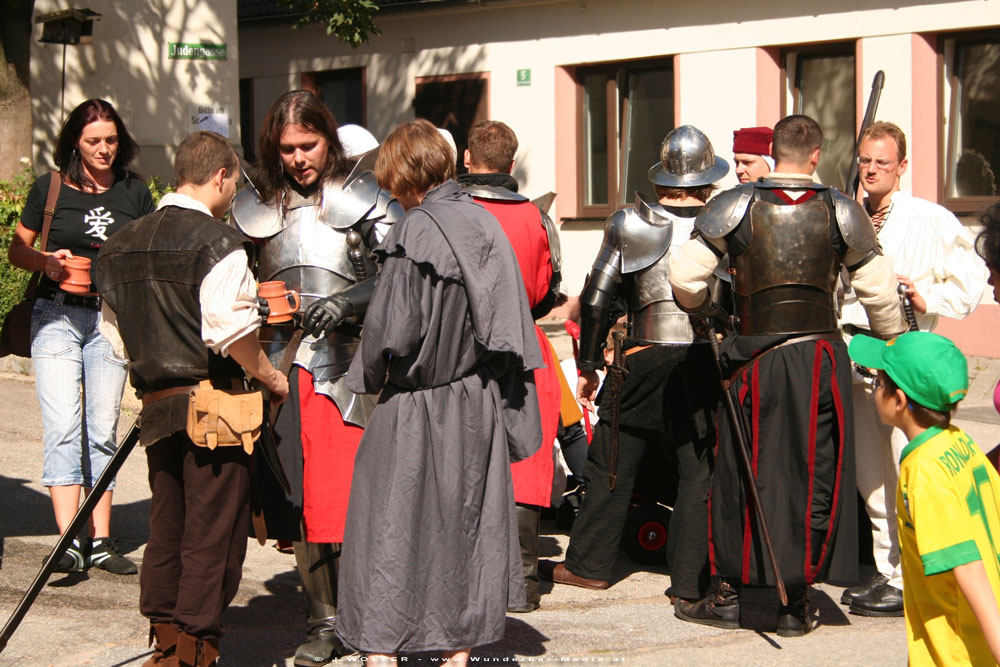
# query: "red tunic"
{"points": [[522, 223], [328, 449]]}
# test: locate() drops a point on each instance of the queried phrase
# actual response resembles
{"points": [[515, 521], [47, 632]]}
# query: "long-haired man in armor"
{"points": [[668, 394], [313, 220], [788, 372]]}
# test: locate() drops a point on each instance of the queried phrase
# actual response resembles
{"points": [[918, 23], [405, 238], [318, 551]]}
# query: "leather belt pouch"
{"points": [[224, 418]]}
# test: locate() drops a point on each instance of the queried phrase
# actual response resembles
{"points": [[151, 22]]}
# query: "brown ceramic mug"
{"points": [[76, 275], [282, 302]]}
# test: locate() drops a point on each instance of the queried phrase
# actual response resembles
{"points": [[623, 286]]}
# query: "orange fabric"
{"points": [[569, 410], [328, 449]]}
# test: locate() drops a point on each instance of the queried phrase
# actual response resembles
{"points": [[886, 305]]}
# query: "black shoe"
{"points": [[324, 645], [721, 609], [884, 600], [104, 554], [72, 559], [797, 618], [855, 592], [525, 608]]}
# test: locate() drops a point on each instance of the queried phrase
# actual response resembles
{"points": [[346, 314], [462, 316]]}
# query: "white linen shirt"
{"points": [[228, 296], [927, 243]]}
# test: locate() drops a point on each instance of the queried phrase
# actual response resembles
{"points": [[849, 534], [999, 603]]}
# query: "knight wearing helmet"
{"points": [[668, 393]]}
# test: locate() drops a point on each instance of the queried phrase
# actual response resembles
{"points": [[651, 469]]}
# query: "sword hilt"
{"points": [[911, 317], [356, 254]]}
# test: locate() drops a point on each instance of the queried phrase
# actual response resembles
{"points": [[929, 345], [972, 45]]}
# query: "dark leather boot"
{"points": [[319, 566], [163, 639], [527, 533], [195, 652], [797, 618], [720, 608]]}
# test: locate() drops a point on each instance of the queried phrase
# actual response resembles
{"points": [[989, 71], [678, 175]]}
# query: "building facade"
{"points": [[167, 67], [590, 87]]}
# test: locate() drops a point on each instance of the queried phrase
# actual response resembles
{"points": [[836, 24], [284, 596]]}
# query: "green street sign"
{"points": [[524, 77], [182, 51]]}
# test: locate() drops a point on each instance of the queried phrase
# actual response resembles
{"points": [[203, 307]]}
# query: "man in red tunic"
{"points": [[490, 160]]}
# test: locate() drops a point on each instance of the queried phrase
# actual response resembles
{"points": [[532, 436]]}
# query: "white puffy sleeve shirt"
{"points": [[927, 243]]}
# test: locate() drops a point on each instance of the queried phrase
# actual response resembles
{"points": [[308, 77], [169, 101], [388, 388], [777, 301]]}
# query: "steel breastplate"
{"points": [[311, 257], [654, 317], [786, 280]]}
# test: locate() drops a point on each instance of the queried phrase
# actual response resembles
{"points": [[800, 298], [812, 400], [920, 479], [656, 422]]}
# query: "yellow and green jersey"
{"points": [[947, 509]]}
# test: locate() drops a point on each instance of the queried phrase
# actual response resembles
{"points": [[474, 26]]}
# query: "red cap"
{"points": [[756, 140]]}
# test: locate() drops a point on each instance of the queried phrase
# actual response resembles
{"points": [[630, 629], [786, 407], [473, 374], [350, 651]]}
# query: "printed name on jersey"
{"points": [[956, 456]]}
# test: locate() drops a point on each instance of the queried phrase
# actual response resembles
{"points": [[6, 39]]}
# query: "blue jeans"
{"points": [[70, 355]]}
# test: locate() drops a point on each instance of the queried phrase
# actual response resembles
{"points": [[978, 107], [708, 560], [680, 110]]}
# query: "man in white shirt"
{"points": [[179, 295], [934, 259]]}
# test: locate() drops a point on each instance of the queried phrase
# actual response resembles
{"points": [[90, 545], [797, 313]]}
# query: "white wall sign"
{"points": [[213, 117]]}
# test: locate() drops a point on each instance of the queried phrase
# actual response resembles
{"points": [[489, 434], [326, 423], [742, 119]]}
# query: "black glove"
{"points": [[323, 316], [707, 315], [263, 309], [715, 317]]}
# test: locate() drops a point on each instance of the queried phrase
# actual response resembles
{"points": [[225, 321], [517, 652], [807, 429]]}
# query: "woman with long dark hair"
{"points": [[97, 196]]}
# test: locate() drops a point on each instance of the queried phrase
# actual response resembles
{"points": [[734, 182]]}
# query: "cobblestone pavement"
{"points": [[92, 618]]}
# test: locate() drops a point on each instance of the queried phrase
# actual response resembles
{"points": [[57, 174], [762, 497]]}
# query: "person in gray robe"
{"points": [[431, 559]]}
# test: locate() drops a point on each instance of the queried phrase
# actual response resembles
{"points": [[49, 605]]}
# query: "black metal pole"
{"points": [[82, 516], [852, 175]]}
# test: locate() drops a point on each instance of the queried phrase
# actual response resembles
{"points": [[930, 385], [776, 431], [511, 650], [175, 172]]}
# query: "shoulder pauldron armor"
{"points": [[724, 212], [642, 234], [855, 225]]}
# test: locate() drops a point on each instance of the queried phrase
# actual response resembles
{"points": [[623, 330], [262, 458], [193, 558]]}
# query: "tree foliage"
{"points": [[350, 21]]}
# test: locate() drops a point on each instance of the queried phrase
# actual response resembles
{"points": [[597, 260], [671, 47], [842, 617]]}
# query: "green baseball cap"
{"points": [[929, 368]]}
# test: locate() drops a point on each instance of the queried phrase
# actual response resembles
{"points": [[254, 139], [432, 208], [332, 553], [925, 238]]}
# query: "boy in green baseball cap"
{"points": [[947, 501]]}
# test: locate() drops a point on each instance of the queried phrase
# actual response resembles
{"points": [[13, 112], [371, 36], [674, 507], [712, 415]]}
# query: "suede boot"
{"points": [[163, 639], [319, 567], [195, 652], [527, 532]]}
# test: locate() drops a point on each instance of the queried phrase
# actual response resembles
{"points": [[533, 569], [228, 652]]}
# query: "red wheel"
{"points": [[645, 534], [652, 535]]}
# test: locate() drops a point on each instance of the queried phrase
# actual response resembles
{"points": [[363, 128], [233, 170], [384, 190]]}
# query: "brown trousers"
{"points": [[198, 525]]}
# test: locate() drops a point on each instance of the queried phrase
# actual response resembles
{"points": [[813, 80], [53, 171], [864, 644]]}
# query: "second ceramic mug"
{"points": [[282, 302], [76, 275]]}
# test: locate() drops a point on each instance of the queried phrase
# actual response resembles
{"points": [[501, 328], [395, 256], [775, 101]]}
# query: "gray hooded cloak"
{"points": [[431, 557]]}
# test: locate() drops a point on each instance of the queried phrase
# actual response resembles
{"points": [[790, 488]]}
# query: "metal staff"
{"points": [[125, 448], [751, 486], [852, 175]]}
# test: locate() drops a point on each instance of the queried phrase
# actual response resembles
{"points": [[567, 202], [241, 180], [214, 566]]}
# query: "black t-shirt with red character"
{"points": [[84, 221]]}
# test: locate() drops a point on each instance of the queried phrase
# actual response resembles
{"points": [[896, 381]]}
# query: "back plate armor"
{"points": [[786, 280], [639, 242], [653, 315]]}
